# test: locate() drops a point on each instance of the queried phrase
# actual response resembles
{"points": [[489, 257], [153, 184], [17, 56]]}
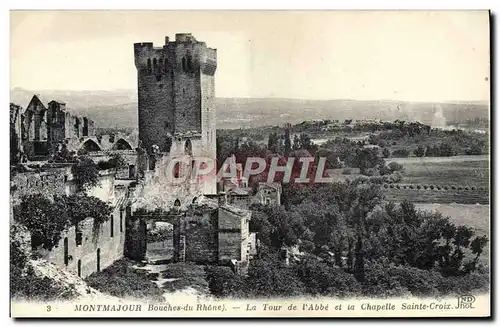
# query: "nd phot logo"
{"points": [[466, 302]]}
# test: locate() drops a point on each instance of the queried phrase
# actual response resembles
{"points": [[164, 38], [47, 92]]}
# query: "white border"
{"points": [[198, 5]]}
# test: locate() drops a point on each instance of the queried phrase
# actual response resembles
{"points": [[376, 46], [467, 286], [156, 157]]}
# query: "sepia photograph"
{"points": [[249, 163]]}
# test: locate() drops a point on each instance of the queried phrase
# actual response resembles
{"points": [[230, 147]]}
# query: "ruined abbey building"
{"points": [[177, 119]]}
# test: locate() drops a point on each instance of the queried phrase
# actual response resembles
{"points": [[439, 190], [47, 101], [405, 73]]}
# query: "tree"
{"points": [[386, 153], [420, 151], [296, 142], [288, 143], [46, 219], [86, 173], [117, 160], [64, 155], [273, 142]]}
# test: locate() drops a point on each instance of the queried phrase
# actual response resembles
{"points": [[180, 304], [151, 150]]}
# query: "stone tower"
{"points": [[176, 93]]}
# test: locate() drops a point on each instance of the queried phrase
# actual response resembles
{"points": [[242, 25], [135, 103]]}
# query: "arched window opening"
{"points": [[188, 148], [66, 255], [190, 64], [177, 170], [79, 268], [121, 220], [78, 238], [90, 146], [121, 144], [160, 64], [154, 65], [177, 203], [195, 199]]}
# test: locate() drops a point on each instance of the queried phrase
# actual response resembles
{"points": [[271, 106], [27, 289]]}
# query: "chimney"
{"points": [[222, 198]]}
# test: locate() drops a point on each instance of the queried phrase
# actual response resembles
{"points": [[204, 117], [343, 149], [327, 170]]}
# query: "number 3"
{"points": [[48, 308]]}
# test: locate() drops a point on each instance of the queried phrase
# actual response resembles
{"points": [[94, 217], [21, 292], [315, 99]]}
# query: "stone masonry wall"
{"points": [[95, 239]]}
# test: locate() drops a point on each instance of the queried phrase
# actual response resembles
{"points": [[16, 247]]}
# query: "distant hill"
{"points": [[118, 108]]}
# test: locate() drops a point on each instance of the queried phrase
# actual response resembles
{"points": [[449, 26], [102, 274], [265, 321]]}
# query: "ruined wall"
{"points": [[98, 249], [136, 230], [105, 189], [439, 194], [240, 201], [200, 232], [56, 181], [231, 238]]}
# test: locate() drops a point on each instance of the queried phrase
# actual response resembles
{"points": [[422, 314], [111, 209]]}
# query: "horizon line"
{"points": [[260, 97]]}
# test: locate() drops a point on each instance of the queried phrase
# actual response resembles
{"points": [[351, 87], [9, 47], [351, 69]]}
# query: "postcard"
{"points": [[250, 164]]}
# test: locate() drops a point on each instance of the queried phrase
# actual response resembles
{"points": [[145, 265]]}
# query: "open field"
{"points": [[473, 215], [459, 170]]}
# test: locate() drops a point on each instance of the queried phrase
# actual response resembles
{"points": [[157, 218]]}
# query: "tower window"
{"points": [[184, 68], [160, 65], [149, 66], [78, 238], [154, 64]]}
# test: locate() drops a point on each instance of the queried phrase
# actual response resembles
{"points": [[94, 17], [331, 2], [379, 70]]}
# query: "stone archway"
{"points": [[90, 146], [122, 144]]}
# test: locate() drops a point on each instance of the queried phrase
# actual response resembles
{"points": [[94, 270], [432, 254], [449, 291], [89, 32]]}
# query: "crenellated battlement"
{"points": [[176, 94]]}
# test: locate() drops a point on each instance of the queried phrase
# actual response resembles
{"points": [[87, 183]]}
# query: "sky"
{"points": [[364, 55]]}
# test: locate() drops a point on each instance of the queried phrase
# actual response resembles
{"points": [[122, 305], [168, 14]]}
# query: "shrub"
{"points": [[419, 187], [394, 166], [419, 151], [453, 187], [396, 177], [438, 187], [322, 279], [431, 187], [386, 186], [86, 173], [473, 283], [400, 153], [46, 219], [268, 278], [121, 280], [223, 282], [411, 187], [391, 186]]}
